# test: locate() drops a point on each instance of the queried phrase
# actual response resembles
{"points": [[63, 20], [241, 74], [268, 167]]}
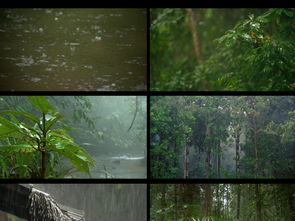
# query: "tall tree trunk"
{"points": [[218, 163], [218, 154], [193, 21], [208, 164], [223, 200], [175, 151], [163, 201], [208, 153], [218, 201], [186, 162], [175, 202], [258, 203], [208, 200], [238, 201], [254, 128], [198, 156], [189, 197], [238, 152]]}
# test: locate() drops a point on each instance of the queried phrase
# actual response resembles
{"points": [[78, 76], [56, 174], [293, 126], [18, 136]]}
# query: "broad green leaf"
{"points": [[51, 120], [59, 134], [66, 127], [42, 104], [288, 13], [75, 153], [7, 124], [25, 114], [24, 147], [5, 130]]}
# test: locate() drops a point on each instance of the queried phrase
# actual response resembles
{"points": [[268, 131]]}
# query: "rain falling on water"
{"points": [[73, 49]]}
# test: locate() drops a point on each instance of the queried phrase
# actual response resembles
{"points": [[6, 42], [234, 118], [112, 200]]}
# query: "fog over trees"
{"points": [[222, 202], [222, 137]]}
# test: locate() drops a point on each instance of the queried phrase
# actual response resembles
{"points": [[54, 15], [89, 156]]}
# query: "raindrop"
{"points": [[88, 66], [59, 13], [35, 79], [97, 38]]}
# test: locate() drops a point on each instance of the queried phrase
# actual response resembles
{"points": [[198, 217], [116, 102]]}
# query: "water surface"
{"points": [[73, 49]]}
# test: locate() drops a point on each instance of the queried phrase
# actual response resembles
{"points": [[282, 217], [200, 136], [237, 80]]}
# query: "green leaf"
{"points": [[42, 104], [288, 13], [25, 114], [50, 120], [59, 134], [6, 126], [77, 155], [24, 147], [66, 127]]}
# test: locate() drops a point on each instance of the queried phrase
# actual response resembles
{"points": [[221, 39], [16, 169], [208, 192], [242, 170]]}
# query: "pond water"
{"points": [[73, 49]]}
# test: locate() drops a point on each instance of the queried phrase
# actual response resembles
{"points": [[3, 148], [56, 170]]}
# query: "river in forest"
{"points": [[121, 166], [44, 49]]}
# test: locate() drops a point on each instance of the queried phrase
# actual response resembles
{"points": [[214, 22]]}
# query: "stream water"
{"points": [[73, 49], [116, 167]]}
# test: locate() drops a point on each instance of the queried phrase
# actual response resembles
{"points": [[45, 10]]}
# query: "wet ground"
{"points": [[73, 49]]}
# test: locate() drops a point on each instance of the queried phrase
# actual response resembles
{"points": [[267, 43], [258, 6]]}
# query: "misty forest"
{"points": [[73, 202], [228, 49], [222, 202], [222, 137], [73, 137]]}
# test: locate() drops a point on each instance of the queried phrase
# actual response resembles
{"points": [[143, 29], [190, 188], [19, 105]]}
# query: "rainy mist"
{"points": [[73, 136]]}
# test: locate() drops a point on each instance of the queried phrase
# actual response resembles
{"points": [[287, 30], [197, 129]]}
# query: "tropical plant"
{"points": [[31, 145]]}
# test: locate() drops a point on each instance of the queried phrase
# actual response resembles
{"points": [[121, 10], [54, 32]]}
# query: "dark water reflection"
{"points": [[73, 49]]}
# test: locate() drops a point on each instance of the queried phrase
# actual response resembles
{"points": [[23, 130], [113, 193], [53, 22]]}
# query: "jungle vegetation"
{"points": [[56, 136], [222, 137], [246, 49], [222, 202]]}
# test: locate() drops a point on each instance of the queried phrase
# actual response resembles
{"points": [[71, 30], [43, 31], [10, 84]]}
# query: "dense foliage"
{"points": [[223, 49], [222, 202], [222, 136]]}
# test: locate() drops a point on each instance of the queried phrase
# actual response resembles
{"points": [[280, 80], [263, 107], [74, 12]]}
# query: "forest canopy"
{"points": [[222, 202], [222, 136], [246, 49]]}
